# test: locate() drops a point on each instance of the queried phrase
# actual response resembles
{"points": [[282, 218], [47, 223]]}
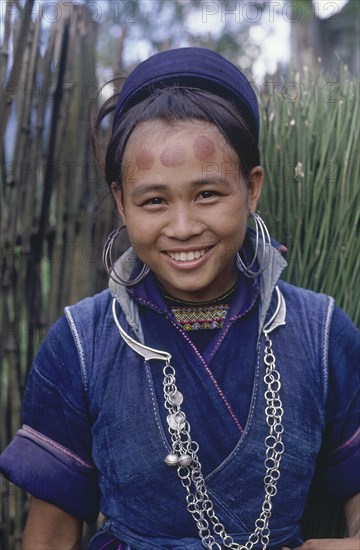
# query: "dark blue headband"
{"points": [[195, 68]]}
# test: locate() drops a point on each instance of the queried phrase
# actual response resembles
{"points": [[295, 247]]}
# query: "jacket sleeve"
{"points": [[50, 456], [341, 447]]}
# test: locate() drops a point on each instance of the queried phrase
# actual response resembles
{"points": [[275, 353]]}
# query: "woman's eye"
{"points": [[207, 194], [155, 201]]}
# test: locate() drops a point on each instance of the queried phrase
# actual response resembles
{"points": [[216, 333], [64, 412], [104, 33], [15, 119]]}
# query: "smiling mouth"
{"points": [[188, 256]]}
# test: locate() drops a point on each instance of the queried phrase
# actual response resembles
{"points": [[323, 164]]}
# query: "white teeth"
{"points": [[186, 256]]}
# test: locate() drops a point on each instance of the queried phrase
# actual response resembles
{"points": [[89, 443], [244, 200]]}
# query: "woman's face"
{"points": [[185, 205]]}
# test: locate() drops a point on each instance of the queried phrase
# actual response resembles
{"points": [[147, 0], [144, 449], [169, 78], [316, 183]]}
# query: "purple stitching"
{"points": [[348, 442], [254, 400], [253, 405], [213, 379], [57, 446], [235, 318], [150, 304], [109, 542]]}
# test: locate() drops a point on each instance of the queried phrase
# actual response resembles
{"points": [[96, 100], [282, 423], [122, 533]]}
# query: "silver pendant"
{"points": [[176, 398], [176, 421]]}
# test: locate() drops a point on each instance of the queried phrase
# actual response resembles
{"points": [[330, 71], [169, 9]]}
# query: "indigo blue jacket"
{"points": [[95, 433]]}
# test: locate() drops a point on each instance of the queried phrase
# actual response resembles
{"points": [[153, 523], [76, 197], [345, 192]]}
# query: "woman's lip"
{"points": [[187, 250], [189, 264]]}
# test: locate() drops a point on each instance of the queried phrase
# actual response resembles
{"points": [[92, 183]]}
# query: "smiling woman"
{"points": [[193, 203], [192, 400]]}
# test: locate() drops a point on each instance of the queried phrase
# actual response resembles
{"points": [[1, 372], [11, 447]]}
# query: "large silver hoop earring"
{"points": [[260, 229], [109, 266]]}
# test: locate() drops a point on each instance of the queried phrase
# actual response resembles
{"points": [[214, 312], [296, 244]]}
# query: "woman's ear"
{"points": [[118, 197], [254, 188]]}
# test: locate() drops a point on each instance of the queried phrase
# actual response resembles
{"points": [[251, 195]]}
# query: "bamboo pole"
{"points": [[12, 84], [56, 249], [48, 184], [35, 175], [4, 51], [80, 235]]}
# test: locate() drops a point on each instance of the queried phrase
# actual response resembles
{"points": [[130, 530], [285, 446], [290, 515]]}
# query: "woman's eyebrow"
{"points": [[209, 180], [144, 188], [147, 188]]}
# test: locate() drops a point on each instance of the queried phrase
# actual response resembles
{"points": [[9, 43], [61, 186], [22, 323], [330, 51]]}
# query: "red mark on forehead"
{"points": [[145, 158], [203, 148], [173, 155]]}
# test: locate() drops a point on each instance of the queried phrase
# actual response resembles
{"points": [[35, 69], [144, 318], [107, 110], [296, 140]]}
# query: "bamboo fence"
{"points": [[50, 251]]}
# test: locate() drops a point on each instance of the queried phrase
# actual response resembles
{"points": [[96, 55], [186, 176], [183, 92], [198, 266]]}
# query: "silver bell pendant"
{"points": [[172, 459], [184, 461]]}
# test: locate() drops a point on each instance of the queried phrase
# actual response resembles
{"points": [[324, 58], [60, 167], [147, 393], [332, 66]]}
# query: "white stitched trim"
{"points": [[325, 357], [154, 404], [78, 345]]}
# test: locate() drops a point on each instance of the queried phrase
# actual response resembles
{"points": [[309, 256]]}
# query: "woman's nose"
{"points": [[183, 224]]}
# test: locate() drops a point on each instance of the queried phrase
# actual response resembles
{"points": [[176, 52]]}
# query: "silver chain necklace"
{"points": [[184, 453]]}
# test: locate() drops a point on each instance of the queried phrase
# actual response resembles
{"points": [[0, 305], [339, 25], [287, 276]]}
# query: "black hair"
{"points": [[171, 105]]}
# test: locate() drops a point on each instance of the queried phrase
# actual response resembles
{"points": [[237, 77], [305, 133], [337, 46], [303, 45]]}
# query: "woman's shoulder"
{"points": [[301, 292], [305, 296], [91, 306], [312, 302], [307, 308], [83, 316], [91, 322]]}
